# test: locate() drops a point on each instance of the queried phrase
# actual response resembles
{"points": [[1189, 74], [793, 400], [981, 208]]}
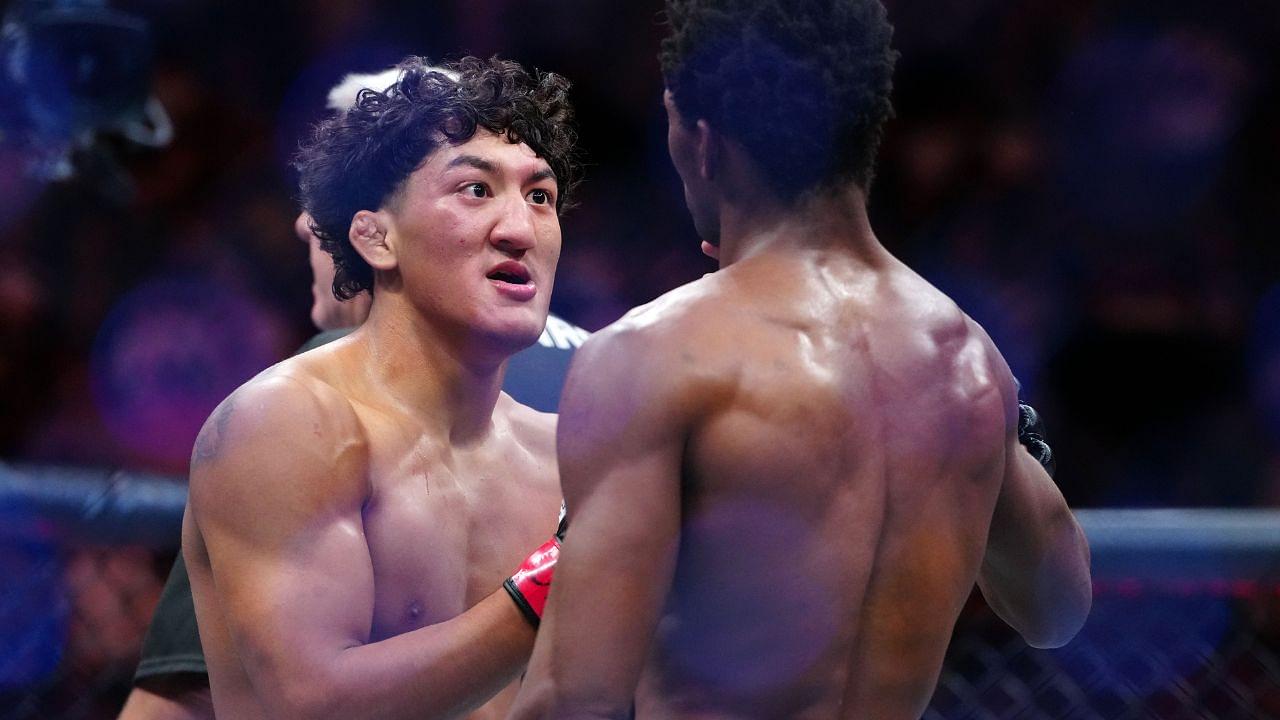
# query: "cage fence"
{"points": [[1185, 621]]}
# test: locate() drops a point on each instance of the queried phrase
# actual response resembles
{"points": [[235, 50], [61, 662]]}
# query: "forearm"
{"points": [[440, 671], [1035, 573], [539, 707], [541, 699], [526, 712]]}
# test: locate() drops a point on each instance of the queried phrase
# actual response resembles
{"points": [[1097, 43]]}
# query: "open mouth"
{"points": [[509, 272], [507, 277]]}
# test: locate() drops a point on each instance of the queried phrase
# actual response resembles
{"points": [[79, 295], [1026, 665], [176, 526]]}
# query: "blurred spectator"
{"points": [[1096, 184]]}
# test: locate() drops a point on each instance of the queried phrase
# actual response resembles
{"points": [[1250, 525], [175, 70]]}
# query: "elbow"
{"points": [[1064, 615], [585, 709], [1048, 606], [542, 702], [309, 699], [1047, 641], [1060, 629], [1078, 597], [309, 683], [597, 714]]}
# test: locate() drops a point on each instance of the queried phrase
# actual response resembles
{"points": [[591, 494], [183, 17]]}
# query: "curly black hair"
{"points": [[359, 159], [803, 85]]}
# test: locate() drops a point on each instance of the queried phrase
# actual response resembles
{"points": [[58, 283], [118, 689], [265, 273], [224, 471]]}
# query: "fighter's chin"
{"points": [[513, 334], [711, 251]]}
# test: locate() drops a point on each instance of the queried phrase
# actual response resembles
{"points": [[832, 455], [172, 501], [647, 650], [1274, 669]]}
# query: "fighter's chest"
{"points": [[443, 535]]}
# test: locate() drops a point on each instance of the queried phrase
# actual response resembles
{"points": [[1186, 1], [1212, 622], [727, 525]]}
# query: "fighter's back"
{"points": [[836, 494]]}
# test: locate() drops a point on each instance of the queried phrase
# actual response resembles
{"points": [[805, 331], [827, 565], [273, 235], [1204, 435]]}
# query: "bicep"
{"points": [[302, 590], [280, 521]]}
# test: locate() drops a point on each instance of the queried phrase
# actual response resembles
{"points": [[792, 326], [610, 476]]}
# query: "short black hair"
{"points": [[358, 159], [804, 85]]}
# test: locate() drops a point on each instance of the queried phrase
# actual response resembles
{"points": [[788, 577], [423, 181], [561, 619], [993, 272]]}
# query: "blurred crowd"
{"points": [[1097, 183]]}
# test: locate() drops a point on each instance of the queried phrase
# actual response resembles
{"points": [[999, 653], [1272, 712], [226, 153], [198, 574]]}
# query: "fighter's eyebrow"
{"points": [[543, 174], [483, 165], [474, 161]]}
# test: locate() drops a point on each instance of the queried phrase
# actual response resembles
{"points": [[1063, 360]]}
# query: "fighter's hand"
{"points": [[1031, 434], [531, 582]]}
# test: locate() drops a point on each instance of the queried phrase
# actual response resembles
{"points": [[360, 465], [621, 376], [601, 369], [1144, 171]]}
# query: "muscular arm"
{"points": [[1035, 573], [620, 441], [277, 488]]}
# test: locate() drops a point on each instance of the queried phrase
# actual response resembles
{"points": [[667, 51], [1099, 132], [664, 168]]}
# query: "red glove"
{"points": [[532, 581]]}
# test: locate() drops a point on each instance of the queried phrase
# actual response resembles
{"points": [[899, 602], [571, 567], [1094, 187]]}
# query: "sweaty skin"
{"points": [[785, 478], [354, 510], [798, 463]]}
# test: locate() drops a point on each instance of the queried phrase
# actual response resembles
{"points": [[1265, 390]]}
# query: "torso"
{"points": [[836, 497], [444, 525]]}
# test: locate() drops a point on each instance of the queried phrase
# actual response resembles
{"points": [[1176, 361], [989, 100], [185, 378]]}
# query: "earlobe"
{"points": [[370, 236]]}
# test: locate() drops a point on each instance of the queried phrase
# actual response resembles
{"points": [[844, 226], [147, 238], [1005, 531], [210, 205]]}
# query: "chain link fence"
{"points": [[1185, 624], [1190, 652], [71, 625]]}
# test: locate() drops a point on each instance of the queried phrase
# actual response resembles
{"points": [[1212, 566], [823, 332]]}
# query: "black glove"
{"points": [[1031, 434]]}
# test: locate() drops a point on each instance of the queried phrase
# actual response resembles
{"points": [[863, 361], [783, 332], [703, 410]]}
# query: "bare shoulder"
{"points": [[283, 435], [1001, 375], [274, 404], [688, 323], [661, 362]]}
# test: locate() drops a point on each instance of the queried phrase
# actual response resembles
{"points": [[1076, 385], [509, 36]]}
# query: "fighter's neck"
{"points": [[835, 219], [426, 371]]}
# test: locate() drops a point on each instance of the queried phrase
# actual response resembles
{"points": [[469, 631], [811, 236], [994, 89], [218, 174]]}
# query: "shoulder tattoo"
{"points": [[214, 432]]}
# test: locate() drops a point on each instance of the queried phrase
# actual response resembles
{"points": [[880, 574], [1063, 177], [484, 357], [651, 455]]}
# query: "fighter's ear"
{"points": [[707, 144], [369, 235]]}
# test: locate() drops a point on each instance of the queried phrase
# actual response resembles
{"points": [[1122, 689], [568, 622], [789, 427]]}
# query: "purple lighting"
{"points": [[168, 353]]}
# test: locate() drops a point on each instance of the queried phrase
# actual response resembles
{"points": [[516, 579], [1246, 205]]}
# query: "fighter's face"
{"points": [[477, 239], [686, 154], [327, 311]]}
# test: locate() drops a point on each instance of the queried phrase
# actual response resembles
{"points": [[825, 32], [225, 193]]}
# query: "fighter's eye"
{"points": [[540, 197], [476, 190]]}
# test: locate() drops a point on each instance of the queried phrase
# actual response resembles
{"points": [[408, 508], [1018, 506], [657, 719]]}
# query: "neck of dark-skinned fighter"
{"points": [[825, 217]]}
